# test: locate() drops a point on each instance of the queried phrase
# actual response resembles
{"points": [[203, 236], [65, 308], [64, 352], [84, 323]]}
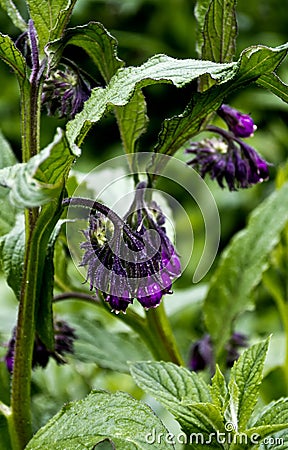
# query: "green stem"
{"points": [[21, 380], [20, 421], [164, 343], [155, 331]]}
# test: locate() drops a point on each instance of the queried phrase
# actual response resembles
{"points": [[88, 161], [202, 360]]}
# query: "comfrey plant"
{"points": [[130, 260]]}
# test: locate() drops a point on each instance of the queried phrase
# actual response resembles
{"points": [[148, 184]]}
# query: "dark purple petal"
{"points": [[150, 294], [201, 354], [64, 337], [118, 303], [241, 125]]}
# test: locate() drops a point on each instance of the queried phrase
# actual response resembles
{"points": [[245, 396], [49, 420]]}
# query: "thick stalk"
{"points": [[20, 421], [21, 381], [161, 334]]}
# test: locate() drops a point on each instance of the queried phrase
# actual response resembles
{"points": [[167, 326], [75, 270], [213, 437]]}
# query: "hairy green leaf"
{"points": [[12, 248], [246, 376], [278, 442], [176, 388], [14, 14], [205, 418], [41, 179], [219, 31], [200, 11], [253, 62], [264, 431], [101, 415], [132, 121], [50, 18], [274, 413], [272, 82], [7, 212], [185, 395], [100, 45], [12, 56], [219, 390], [158, 69], [241, 266], [50, 215], [96, 344], [170, 383]]}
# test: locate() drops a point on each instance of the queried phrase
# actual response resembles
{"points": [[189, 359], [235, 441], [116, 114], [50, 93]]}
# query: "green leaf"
{"points": [[158, 69], [273, 414], [50, 18], [262, 432], [241, 266], [7, 212], [100, 45], [279, 442], [12, 56], [246, 376], [41, 179], [220, 31], [200, 11], [253, 62], [50, 214], [132, 121], [218, 35], [272, 82], [101, 415], [219, 390], [108, 349], [14, 14], [12, 248], [175, 132], [5, 443], [205, 418], [173, 386]]}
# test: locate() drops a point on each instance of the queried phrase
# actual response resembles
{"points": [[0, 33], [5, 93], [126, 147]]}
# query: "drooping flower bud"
{"points": [[64, 91], [241, 125], [64, 337], [202, 356], [138, 261], [228, 159]]}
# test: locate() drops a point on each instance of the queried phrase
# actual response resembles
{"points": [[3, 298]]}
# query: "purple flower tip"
{"points": [[201, 353], [64, 337], [241, 125]]}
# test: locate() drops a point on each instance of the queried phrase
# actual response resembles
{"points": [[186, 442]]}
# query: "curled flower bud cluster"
{"points": [[229, 159], [64, 337], [201, 353], [64, 91], [137, 262]]}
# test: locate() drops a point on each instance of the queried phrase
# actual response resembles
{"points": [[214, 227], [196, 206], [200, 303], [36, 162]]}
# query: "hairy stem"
{"points": [[162, 335], [20, 421]]}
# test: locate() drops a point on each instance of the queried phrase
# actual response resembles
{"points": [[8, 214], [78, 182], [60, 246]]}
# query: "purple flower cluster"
{"points": [[138, 262], [201, 353], [64, 337], [228, 158], [64, 91]]}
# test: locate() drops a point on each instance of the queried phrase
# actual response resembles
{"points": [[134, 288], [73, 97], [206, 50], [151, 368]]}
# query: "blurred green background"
{"points": [[143, 28]]}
